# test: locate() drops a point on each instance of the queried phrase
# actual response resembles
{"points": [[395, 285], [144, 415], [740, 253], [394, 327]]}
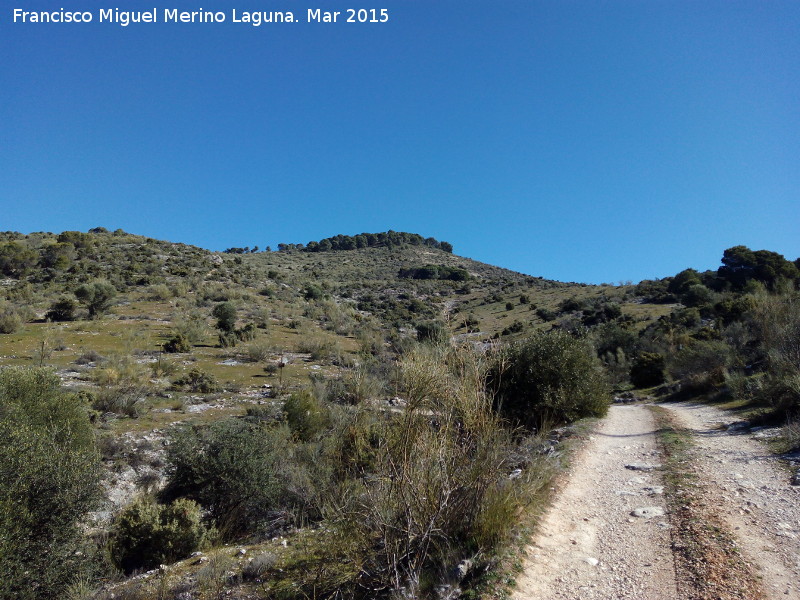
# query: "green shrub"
{"points": [[238, 470], [96, 296], [437, 488], [62, 309], [192, 326], [10, 321], [696, 295], [307, 417], [177, 343], [50, 472], [648, 370], [546, 314], [159, 292], [777, 319], [259, 351], [701, 365], [227, 340], [129, 400], [313, 292], [197, 380], [225, 314], [147, 534], [247, 333], [433, 332], [551, 377], [321, 346]]}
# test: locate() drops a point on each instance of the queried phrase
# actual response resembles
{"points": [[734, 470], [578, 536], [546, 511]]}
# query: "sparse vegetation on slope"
{"points": [[362, 402]]}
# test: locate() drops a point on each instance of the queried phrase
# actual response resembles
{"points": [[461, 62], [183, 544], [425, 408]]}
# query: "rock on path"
{"points": [[589, 545]]}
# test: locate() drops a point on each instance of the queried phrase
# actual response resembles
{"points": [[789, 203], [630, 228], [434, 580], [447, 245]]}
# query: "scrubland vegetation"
{"points": [[359, 417]]}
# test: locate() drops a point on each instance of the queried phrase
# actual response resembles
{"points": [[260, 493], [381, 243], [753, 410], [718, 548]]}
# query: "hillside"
{"points": [[274, 398]]}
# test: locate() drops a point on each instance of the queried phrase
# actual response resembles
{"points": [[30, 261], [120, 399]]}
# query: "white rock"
{"points": [[648, 512]]}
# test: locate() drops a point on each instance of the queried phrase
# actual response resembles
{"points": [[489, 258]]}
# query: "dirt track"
{"points": [[752, 495], [591, 545]]}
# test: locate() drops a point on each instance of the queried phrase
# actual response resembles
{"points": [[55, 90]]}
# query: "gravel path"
{"points": [[751, 493], [589, 544]]}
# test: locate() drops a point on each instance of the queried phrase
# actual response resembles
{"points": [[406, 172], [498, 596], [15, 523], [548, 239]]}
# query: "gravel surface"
{"points": [[751, 492], [607, 535]]}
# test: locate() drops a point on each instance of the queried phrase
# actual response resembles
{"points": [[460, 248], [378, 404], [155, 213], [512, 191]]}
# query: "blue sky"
{"points": [[580, 141]]}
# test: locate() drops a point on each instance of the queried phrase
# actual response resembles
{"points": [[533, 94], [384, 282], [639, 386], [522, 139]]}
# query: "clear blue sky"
{"points": [[580, 141]]}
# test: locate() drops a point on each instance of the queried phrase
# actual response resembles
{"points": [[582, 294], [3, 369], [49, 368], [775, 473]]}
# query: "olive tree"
{"points": [[96, 296]]}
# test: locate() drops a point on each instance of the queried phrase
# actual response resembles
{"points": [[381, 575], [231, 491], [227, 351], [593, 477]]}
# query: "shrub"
{"points": [[647, 370], [313, 292], [696, 295], [516, 327], [546, 314], [129, 400], [96, 296], [159, 292], [237, 470], [438, 486], [10, 321], [192, 326], [778, 323], [227, 340], [320, 346], [433, 332], [702, 365], [259, 351], [197, 380], [259, 566], [177, 343], [50, 472], [62, 310], [225, 314], [472, 323], [147, 534], [550, 377], [247, 333], [89, 356], [306, 416]]}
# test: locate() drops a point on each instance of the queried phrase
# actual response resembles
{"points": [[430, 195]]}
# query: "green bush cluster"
{"points": [[648, 370], [435, 272], [50, 471], [549, 378], [434, 332], [178, 343], [197, 380], [147, 534], [238, 470]]}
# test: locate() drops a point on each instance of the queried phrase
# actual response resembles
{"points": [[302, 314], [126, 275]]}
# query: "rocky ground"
{"points": [[610, 533]]}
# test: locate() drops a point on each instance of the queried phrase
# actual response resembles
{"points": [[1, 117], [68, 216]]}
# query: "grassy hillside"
{"points": [[327, 395]]}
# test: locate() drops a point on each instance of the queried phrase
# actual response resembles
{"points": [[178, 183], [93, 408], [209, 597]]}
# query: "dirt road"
{"points": [[609, 533], [589, 544], [751, 493]]}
